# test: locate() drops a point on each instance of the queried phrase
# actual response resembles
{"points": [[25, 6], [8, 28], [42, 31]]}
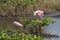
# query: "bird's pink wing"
{"points": [[39, 13]]}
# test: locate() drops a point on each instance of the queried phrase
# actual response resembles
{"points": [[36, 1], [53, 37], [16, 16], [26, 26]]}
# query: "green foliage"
{"points": [[19, 36], [6, 3], [18, 7], [25, 6], [34, 24], [36, 21]]}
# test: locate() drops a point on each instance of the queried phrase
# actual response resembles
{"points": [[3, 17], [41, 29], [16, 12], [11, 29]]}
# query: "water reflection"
{"points": [[54, 28], [6, 24]]}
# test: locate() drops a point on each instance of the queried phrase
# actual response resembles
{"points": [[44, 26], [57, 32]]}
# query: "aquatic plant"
{"points": [[36, 21], [18, 36], [32, 25]]}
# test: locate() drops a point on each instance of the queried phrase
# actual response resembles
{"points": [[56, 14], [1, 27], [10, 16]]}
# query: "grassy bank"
{"points": [[27, 7]]}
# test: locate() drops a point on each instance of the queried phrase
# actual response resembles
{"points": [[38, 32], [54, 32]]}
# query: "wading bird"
{"points": [[17, 24], [39, 14]]}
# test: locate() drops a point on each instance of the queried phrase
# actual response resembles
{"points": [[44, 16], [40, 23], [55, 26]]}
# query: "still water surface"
{"points": [[53, 28]]}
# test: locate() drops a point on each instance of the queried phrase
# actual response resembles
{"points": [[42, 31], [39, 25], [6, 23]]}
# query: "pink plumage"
{"points": [[17, 24], [39, 13]]}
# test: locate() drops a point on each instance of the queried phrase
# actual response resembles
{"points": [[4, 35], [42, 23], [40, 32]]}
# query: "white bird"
{"points": [[39, 13], [17, 24]]}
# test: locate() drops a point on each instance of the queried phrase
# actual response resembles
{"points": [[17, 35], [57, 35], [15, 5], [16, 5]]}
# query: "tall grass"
{"points": [[26, 7]]}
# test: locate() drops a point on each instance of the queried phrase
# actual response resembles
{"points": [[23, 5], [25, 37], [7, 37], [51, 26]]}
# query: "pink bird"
{"points": [[17, 24], [39, 14]]}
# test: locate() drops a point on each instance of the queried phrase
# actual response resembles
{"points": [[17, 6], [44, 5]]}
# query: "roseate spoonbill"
{"points": [[39, 13], [17, 24]]}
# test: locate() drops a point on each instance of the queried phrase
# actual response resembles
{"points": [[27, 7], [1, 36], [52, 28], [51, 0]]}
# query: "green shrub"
{"points": [[19, 36], [34, 24]]}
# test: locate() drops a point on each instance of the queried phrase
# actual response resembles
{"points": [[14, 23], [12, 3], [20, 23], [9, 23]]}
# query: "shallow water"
{"points": [[7, 24], [53, 28]]}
